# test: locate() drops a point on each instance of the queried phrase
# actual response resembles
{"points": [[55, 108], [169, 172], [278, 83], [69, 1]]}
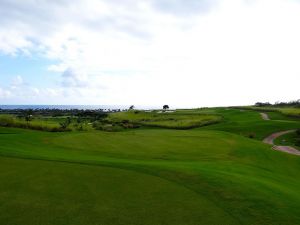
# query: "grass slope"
{"points": [[247, 122], [288, 111], [38, 192], [234, 180], [208, 175], [176, 120]]}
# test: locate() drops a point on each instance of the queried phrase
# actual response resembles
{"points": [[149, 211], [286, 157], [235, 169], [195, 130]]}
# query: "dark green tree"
{"points": [[166, 107]]}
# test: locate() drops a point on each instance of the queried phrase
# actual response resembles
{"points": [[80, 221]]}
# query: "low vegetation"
{"points": [[52, 120], [290, 111], [165, 119], [12, 121]]}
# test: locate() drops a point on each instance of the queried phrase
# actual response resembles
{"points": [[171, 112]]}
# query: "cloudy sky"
{"points": [[185, 53]]}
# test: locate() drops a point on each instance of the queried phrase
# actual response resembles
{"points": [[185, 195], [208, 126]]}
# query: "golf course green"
{"points": [[218, 173]]}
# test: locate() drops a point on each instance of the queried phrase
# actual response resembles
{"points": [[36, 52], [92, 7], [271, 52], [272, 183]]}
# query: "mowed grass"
{"points": [[184, 119], [145, 176], [249, 123], [41, 192]]}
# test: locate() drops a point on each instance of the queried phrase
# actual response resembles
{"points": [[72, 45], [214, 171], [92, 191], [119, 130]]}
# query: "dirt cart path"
{"points": [[288, 149], [264, 116]]}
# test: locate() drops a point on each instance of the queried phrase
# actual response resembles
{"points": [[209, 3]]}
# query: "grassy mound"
{"points": [[174, 120]]}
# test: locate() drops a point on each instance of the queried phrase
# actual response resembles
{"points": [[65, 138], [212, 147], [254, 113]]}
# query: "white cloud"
{"points": [[73, 78], [4, 93], [17, 81], [183, 53]]}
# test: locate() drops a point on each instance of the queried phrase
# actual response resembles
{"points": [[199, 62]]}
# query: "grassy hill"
{"points": [[169, 119], [288, 111], [207, 175]]}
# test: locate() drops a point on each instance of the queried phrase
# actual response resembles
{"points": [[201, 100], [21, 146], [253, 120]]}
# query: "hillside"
{"points": [[215, 174]]}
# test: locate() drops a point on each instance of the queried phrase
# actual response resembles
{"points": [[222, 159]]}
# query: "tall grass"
{"points": [[166, 120], [295, 112], [11, 121]]}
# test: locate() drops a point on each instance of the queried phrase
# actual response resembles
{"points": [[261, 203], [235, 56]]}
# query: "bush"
{"points": [[297, 143], [78, 126], [107, 127], [64, 125], [251, 135], [298, 132], [7, 121], [130, 125]]}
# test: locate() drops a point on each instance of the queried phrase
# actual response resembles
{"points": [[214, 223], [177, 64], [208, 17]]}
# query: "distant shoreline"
{"points": [[63, 107], [79, 107]]}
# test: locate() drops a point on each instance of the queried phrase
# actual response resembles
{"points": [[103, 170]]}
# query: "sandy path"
{"points": [[264, 116], [270, 140], [287, 149]]}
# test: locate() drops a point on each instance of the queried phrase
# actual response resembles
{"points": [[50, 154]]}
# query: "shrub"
{"points": [[251, 135], [7, 121], [298, 132], [64, 125], [108, 127], [79, 126], [130, 125], [297, 143]]}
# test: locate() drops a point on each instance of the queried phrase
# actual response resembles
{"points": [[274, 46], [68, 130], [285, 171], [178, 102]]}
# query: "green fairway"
{"points": [[39, 192], [288, 111], [208, 175], [247, 122]]}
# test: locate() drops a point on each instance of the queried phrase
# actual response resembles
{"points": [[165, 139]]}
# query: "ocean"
{"points": [[83, 107]]}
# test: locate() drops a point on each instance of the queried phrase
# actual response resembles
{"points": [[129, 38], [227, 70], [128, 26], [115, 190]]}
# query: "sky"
{"points": [[184, 53]]}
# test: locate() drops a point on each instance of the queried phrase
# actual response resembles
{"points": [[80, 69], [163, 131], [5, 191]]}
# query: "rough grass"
{"points": [[290, 111], [42, 125], [177, 120]]}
